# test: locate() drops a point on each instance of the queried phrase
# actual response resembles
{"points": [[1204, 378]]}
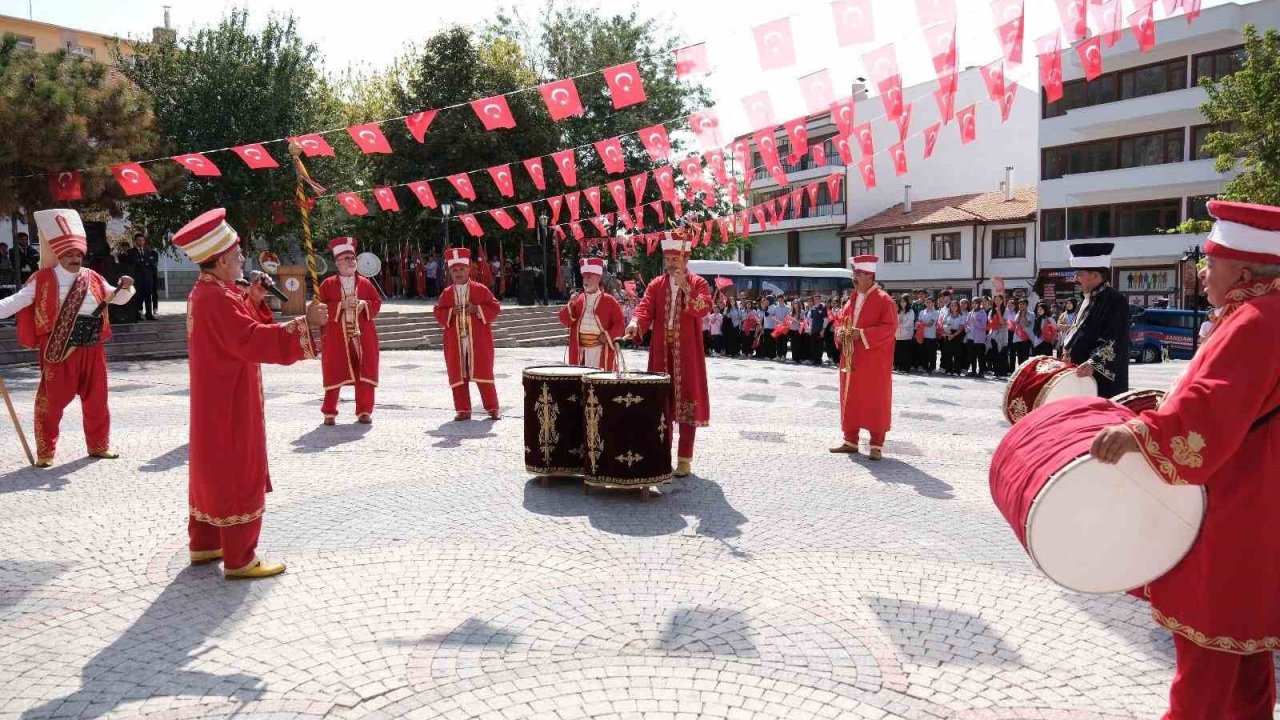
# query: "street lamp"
{"points": [[1194, 256], [546, 254], [446, 209]]}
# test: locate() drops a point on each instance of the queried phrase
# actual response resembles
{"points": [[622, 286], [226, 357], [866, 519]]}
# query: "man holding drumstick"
{"points": [[1217, 429], [1098, 343]]}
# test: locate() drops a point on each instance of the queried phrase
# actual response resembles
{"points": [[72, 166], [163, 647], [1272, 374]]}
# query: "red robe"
{"points": [[420, 276], [611, 321], [36, 321], [226, 340], [866, 364], [692, 405], [1212, 431], [341, 356], [481, 335]]}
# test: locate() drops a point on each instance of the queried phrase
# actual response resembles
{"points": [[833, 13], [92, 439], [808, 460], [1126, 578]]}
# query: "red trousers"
{"points": [[237, 542], [1212, 685], [488, 396], [877, 439], [83, 374], [687, 434], [364, 400]]}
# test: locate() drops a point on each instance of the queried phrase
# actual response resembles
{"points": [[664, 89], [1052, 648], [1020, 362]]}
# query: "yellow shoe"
{"points": [[328, 420], [365, 419], [44, 463], [875, 453], [845, 448], [204, 557], [259, 568], [683, 467], [107, 454]]}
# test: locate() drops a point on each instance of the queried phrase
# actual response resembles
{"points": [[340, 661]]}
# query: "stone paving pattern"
{"points": [[430, 577]]}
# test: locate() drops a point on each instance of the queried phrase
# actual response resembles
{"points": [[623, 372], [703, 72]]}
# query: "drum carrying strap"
{"points": [[1263, 420]]}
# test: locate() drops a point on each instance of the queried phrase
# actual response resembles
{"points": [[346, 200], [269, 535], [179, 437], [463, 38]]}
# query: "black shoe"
{"points": [[151, 317]]}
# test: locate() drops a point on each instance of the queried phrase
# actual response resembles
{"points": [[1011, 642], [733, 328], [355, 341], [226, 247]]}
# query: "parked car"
{"points": [[1159, 333]]}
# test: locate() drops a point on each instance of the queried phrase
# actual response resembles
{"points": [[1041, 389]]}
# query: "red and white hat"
{"points": [[1245, 232], [61, 231], [676, 241], [591, 266], [457, 256], [864, 263], [340, 245], [207, 237]]}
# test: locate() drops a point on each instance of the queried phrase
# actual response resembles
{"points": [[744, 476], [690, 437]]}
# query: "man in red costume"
{"points": [[1218, 429], [466, 310], [594, 319], [673, 306], [865, 331], [229, 332], [350, 354], [47, 307]]}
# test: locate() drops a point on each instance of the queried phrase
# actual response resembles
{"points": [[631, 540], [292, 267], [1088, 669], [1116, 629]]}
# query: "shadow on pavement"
{"points": [[895, 472], [48, 479], [451, 434], [329, 436], [932, 634], [176, 457]]}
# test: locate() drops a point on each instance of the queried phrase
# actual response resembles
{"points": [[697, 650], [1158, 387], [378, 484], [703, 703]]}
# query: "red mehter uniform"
{"points": [[1218, 429], [47, 307], [866, 362], [350, 347], [468, 338], [227, 339], [595, 321]]}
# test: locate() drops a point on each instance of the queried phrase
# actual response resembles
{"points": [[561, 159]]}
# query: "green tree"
{"points": [[60, 112], [223, 86], [1248, 103]]}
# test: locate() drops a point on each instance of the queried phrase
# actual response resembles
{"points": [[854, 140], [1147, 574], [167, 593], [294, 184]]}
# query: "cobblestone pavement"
{"points": [[430, 577]]}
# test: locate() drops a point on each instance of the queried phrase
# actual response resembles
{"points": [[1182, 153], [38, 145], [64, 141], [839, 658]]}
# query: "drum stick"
{"points": [[13, 415]]}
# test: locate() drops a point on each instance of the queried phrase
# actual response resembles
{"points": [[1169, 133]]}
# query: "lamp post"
{"points": [[546, 254], [1194, 256], [446, 210]]}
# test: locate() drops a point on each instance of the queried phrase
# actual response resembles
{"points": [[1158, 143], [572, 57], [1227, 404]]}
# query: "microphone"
{"points": [[267, 283]]}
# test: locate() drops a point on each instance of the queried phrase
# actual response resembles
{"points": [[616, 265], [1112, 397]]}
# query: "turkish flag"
{"points": [[618, 191], [715, 161], [624, 215], [691, 169], [656, 205], [1193, 10], [65, 185], [774, 209], [777, 173], [819, 154], [566, 163], [904, 123], [133, 179], [593, 198], [891, 97], [576, 228], [600, 229], [526, 209], [462, 183], [774, 44], [767, 146], [1090, 52], [833, 186], [534, 168], [1143, 25], [866, 139], [561, 98], [798, 135], [899, 154], [1074, 21], [935, 11], [692, 60], [386, 198], [501, 175], [993, 76], [555, 204], [842, 114], [610, 151], [637, 186], [942, 46], [759, 110], [946, 104], [812, 191], [422, 191], [968, 119], [419, 122], [574, 201], [666, 182], [706, 127], [503, 218], [795, 201], [1006, 101], [369, 139], [1050, 57], [867, 169], [1107, 21], [881, 63], [255, 156], [352, 204], [198, 165], [625, 86], [494, 113], [853, 21], [759, 213], [472, 225], [313, 145], [931, 138], [817, 91], [656, 142], [844, 146], [1010, 25]]}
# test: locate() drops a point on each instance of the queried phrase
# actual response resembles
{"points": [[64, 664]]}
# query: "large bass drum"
{"points": [[626, 430], [553, 431], [1041, 380]]}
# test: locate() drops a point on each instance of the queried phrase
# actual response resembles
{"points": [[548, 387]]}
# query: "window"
{"points": [[1153, 79], [1089, 222], [1198, 207], [1201, 133], [1009, 243], [897, 250], [1053, 225], [1120, 85], [1219, 64], [1113, 153], [1125, 220], [862, 247], [945, 246], [24, 42], [1153, 149]]}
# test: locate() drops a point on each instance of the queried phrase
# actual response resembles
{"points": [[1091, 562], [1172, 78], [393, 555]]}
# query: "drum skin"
{"points": [[1140, 400], [553, 430], [1042, 379], [626, 443]]}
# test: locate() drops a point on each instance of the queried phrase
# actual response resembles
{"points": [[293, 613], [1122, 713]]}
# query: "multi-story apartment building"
{"points": [[1122, 155]]}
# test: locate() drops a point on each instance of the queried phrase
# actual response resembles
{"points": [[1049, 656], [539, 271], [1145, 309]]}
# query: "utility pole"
{"points": [[1194, 256]]}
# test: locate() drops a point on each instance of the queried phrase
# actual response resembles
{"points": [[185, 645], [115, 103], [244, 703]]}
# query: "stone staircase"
{"points": [[167, 337]]}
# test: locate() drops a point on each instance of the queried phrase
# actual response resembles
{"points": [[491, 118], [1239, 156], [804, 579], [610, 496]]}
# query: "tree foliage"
{"points": [[1249, 102]]}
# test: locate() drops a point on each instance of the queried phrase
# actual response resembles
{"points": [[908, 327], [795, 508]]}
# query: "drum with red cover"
{"points": [[1042, 379]]}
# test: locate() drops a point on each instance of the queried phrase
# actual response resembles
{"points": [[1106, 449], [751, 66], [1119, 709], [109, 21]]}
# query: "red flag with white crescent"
{"points": [[255, 156], [666, 182], [866, 140], [1006, 101], [656, 142], [472, 225], [422, 190], [968, 121], [561, 98], [931, 138], [715, 161], [1050, 57], [993, 76], [1010, 18], [501, 175], [419, 122], [867, 168], [313, 145], [503, 218], [462, 183], [526, 209], [706, 127], [618, 191], [574, 201], [625, 85], [881, 63], [1090, 52], [534, 167], [904, 123], [798, 135], [774, 44], [692, 60], [369, 139], [942, 46], [812, 191], [898, 152], [198, 164], [1143, 25], [612, 155], [593, 198], [1074, 21], [65, 185], [555, 202], [638, 183], [817, 91], [566, 163], [853, 21], [386, 198], [1108, 22], [133, 179], [352, 203], [494, 113], [819, 154], [844, 146], [759, 109]]}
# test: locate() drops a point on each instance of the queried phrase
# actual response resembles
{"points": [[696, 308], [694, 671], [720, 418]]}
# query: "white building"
{"points": [[1121, 155], [962, 242]]}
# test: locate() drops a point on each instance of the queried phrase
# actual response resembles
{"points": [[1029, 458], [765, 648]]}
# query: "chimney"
{"points": [[166, 33], [906, 198], [1008, 183], [859, 90]]}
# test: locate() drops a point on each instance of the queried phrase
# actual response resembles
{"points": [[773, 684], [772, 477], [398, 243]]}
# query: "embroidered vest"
{"points": [[36, 321]]}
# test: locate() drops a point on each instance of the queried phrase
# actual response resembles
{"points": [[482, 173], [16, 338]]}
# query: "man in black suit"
{"points": [[1098, 343], [817, 323], [145, 262], [24, 259]]}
